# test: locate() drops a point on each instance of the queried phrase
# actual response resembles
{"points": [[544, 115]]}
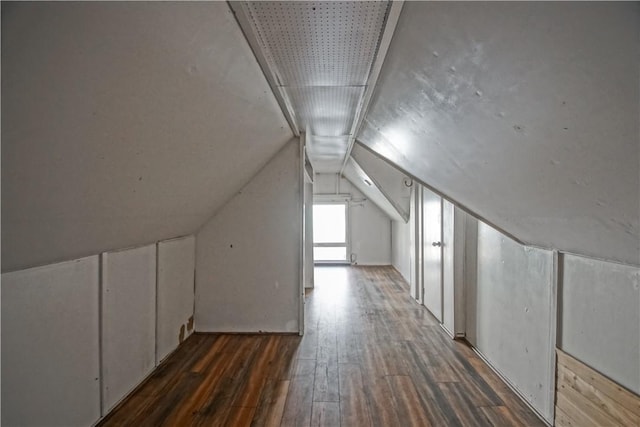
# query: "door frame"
{"points": [[323, 199]]}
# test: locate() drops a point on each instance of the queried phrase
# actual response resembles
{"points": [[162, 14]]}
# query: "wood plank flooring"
{"points": [[370, 357]]}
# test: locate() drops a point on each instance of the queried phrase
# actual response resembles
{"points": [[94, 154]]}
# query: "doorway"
{"points": [[330, 237]]}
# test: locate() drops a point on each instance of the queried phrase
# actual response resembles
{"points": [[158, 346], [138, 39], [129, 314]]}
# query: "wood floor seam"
{"points": [[370, 356]]}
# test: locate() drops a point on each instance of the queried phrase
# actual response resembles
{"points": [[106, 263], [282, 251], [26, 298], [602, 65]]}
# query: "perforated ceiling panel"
{"points": [[319, 43], [318, 57]]}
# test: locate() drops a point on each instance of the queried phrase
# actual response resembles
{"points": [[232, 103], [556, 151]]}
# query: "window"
{"points": [[330, 232]]}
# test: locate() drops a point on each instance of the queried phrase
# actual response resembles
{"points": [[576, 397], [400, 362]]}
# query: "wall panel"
{"points": [[50, 345], [128, 320], [510, 314], [588, 399], [176, 269], [600, 317], [248, 256], [401, 248]]}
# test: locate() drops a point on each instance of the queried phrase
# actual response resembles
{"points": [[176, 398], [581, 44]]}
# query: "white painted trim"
{"points": [[155, 332], [553, 331], [328, 263], [383, 47], [329, 244], [241, 14], [301, 181], [331, 198], [372, 264], [100, 336], [447, 331]]}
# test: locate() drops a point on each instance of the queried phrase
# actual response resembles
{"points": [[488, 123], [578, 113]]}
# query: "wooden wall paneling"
{"points": [[585, 397]]}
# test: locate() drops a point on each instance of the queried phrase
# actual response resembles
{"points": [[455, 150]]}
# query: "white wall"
{"points": [[128, 320], [401, 248], [248, 255], [359, 179], [50, 345], [176, 270], [536, 131], [370, 233], [510, 313], [391, 181], [599, 321], [330, 183], [369, 248], [56, 357], [124, 123]]}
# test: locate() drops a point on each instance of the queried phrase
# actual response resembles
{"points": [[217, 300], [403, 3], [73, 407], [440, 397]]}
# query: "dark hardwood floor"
{"points": [[370, 357]]}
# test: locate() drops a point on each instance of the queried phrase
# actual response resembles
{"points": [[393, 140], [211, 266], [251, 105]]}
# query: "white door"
{"points": [[432, 252], [415, 224]]}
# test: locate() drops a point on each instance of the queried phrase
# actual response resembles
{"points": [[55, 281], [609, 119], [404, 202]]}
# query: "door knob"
{"points": [[438, 244]]}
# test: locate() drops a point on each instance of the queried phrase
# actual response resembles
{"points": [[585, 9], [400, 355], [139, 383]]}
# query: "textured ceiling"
{"points": [[319, 56], [525, 113]]}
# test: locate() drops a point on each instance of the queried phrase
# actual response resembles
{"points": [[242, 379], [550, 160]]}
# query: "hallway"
{"points": [[370, 356]]}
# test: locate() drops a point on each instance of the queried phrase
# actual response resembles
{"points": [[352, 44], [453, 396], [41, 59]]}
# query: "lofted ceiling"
{"points": [[321, 58], [127, 123], [525, 113], [124, 123], [358, 177], [395, 185]]}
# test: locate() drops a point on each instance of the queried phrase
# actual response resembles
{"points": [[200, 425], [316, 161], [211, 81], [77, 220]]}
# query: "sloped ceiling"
{"points": [[320, 58], [525, 113], [363, 182], [124, 123], [395, 185]]}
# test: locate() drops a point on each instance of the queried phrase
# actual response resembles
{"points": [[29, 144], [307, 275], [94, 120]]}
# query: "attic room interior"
{"points": [[162, 163]]}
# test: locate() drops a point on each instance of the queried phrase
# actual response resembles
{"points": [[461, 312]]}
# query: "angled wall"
{"points": [[395, 185], [359, 179], [525, 113], [248, 255], [124, 124]]}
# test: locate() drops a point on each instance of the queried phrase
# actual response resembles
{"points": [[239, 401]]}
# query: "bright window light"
{"points": [[330, 232], [329, 223], [329, 253]]}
